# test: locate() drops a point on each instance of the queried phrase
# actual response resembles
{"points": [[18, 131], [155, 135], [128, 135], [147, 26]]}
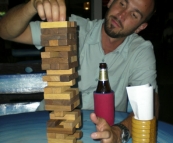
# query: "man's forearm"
{"points": [[128, 122], [16, 21]]}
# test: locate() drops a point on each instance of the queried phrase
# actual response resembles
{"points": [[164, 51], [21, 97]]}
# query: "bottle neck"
{"points": [[103, 76]]}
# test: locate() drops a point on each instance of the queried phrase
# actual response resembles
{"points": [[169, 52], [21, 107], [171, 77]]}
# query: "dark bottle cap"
{"points": [[103, 65]]}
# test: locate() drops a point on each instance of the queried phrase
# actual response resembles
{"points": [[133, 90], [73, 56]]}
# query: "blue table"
{"points": [[31, 128]]}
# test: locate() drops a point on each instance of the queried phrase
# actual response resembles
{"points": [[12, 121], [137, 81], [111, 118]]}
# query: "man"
{"points": [[114, 40]]}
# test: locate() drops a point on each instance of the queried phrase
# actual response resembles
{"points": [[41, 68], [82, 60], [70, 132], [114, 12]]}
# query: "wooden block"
{"points": [[60, 113], [55, 90], [73, 24], [62, 36], [66, 140], [68, 94], [60, 129], [59, 60], [62, 78], [61, 48], [45, 67], [78, 134], [63, 42], [55, 72], [71, 123], [51, 135], [68, 83], [51, 77], [49, 54], [63, 113], [79, 124], [68, 116], [59, 66], [54, 123], [63, 54], [61, 136], [53, 31], [59, 42], [62, 108], [66, 102], [57, 24]]}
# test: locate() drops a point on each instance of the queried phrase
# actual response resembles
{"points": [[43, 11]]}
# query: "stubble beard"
{"points": [[109, 29]]}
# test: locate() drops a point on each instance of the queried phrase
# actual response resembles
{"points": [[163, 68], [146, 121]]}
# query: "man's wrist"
{"points": [[125, 133]]}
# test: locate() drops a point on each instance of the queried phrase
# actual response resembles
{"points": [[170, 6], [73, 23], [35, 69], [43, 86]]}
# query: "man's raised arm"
{"points": [[14, 25]]}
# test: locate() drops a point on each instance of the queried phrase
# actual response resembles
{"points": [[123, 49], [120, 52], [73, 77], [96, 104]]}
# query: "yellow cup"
{"points": [[143, 131]]}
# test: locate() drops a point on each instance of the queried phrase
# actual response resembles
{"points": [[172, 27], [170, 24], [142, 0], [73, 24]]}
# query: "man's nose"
{"points": [[122, 15]]}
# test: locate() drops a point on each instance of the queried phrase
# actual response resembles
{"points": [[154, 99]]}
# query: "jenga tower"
{"points": [[59, 60]]}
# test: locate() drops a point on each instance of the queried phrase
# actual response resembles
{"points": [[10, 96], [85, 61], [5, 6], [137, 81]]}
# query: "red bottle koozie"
{"points": [[104, 106]]}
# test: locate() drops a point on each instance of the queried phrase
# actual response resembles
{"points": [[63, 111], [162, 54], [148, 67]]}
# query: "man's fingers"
{"points": [[101, 135], [40, 9], [94, 118], [52, 10], [47, 9], [62, 11], [55, 10]]}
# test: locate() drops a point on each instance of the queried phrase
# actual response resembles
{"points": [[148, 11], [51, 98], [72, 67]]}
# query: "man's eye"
{"points": [[134, 15], [122, 4]]}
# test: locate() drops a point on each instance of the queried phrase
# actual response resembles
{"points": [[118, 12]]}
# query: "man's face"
{"points": [[125, 17]]}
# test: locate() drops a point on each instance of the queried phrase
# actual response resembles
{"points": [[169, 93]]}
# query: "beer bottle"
{"points": [[103, 83]]}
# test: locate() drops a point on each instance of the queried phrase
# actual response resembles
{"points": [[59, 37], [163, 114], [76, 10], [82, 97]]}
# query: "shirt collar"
{"points": [[94, 37]]}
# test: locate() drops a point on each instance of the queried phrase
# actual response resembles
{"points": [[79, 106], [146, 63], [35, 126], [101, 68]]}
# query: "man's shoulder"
{"points": [[135, 41]]}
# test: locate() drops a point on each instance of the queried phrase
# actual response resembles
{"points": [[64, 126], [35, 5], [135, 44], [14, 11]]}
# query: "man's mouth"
{"points": [[115, 22]]}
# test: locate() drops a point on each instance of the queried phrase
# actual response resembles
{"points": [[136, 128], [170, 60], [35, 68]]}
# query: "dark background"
{"points": [[154, 32]]}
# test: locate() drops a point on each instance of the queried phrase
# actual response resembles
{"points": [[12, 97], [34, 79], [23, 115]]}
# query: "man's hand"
{"points": [[50, 10], [104, 132]]}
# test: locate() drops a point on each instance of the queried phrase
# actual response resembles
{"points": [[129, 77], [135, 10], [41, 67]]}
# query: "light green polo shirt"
{"points": [[132, 63]]}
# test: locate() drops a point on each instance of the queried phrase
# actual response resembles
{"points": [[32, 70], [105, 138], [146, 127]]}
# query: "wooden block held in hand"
{"points": [[57, 24]]}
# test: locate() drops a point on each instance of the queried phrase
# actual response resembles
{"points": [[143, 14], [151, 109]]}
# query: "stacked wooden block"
{"points": [[60, 60]]}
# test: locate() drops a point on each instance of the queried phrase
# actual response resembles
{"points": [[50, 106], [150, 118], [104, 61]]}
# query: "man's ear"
{"points": [[109, 3], [141, 27]]}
